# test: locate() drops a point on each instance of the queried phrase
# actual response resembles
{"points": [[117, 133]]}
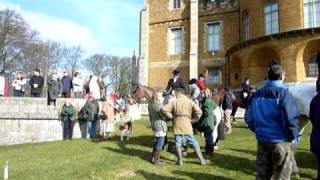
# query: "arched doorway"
{"points": [[309, 58], [259, 61], [235, 71]]}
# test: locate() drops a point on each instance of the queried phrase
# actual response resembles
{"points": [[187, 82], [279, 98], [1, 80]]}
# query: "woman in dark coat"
{"points": [[53, 90], [315, 120]]}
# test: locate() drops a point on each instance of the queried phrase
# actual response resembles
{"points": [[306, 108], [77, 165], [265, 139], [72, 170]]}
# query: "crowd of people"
{"points": [[271, 113], [65, 86]]}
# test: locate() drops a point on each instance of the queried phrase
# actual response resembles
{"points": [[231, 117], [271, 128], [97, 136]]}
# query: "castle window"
{"points": [[271, 17], [313, 67], [175, 4], [246, 27], [311, 13], [213, 37], [176, 41], [214, 76]]}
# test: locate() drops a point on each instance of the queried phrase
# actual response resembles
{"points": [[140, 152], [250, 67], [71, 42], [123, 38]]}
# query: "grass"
{"points": [[83, 159]]}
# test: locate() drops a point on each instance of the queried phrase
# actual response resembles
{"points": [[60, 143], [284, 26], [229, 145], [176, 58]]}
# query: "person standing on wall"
{"points": [[227, 109], [66, 85], [53, 90], [273, 116], [94, 87], [67, 114], [18, 85], [36, 83], [78, 85]]}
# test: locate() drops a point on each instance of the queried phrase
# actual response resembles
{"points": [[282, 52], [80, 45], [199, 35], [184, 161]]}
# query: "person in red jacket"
{"points": [[200, 83]]}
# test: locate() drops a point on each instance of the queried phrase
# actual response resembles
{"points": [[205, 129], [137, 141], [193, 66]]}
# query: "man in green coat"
{"points": [[67, 114], [207, 121]]}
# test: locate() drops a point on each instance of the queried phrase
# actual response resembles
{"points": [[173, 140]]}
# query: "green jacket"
{"points": [[157, 122], [207, 120], [92, 109], [67, 112]]}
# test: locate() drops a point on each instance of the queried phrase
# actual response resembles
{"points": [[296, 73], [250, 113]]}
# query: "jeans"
{"points": [[159, 143], [189, 138], [18, 93], [208, 135], [67, 129], [91, 129]]}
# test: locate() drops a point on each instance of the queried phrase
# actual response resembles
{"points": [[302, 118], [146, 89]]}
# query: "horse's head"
{"points": [[137, 93]]}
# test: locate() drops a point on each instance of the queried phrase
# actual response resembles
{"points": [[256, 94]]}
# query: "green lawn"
{"points": [[83, 159]]}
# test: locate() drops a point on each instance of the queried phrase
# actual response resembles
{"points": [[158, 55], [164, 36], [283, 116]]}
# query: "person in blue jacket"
{"points": [[273, 116], [315, 120]]}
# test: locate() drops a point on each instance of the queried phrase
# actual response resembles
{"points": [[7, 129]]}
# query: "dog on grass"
{"points": [[126, 128]]}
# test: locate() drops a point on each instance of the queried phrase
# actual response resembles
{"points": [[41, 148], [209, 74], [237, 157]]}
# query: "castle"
{"points": [[228, 40]]}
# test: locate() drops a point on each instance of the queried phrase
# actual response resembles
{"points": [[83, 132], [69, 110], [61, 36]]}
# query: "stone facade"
{"points": [[293, 46]]}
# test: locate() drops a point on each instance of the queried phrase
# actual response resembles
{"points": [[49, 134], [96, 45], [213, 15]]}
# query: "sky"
{"points": [[99, 26]]}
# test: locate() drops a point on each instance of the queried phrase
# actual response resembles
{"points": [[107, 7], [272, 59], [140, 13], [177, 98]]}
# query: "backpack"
{"points": [[83, 115]]}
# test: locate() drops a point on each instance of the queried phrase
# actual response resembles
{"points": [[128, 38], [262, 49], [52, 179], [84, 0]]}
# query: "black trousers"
{"points": [[67, 129]]}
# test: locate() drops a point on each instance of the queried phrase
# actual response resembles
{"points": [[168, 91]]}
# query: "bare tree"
{"points": [[97, 64], [14, 32], [73, 58]]}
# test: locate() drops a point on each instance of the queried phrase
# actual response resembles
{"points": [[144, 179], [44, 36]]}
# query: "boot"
{"points": [[209, 149], [203, 161], [179, 154], [157, 160], [153, 155]]}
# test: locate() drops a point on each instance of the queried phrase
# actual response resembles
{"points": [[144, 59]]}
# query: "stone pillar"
{"points": [[143, 46], [194, 39]]}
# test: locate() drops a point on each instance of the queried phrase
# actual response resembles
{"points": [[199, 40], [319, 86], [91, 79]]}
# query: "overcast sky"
{"points": [[102, 26]]}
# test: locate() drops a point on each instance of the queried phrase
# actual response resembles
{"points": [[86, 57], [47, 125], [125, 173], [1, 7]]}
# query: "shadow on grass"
{"points": [[195, 175], [250, 152], [145, 141], [154, 176], [234, 163], [306, 156]]}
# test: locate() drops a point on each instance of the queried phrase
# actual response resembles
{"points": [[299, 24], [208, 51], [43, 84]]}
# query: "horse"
{"points": [[237, 100]]}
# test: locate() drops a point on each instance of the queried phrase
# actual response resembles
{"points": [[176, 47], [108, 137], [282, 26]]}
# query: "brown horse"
{"points": [[236, 97], [142, 93]]}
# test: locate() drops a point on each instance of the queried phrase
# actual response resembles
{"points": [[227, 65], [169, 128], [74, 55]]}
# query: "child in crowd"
{"points": [[107, 126]]}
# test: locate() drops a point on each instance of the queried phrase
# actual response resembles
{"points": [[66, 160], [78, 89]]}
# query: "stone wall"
{"points": [[29, 120]]}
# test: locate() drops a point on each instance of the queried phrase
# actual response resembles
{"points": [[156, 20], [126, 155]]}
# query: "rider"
{"points": [[174, 83], [245, 91], [200, 83], [246, 85]]}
